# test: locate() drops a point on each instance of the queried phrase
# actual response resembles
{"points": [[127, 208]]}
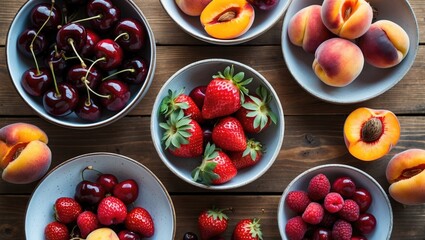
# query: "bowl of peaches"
{"points": [[217, 124], [81, 64], [225, 22], [344, 51]]}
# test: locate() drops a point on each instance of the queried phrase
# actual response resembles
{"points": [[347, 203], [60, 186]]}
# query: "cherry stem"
{"points": [[71, 42], [89, 168], [88, 19], [54, 78], [124, 34], [118, 72], [85, 81]]}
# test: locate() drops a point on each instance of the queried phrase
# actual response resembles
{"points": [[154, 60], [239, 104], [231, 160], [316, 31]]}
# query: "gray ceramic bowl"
{"points": [[263, 21], [372, 81], [197, 74], [380, 207], [62, 180], [17, 64]]}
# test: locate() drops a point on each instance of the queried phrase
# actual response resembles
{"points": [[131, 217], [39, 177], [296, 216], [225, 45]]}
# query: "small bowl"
{"points": [[372, 81], [263, 21], [62, 181], [380, 207], [197, 74], [17, 64]]}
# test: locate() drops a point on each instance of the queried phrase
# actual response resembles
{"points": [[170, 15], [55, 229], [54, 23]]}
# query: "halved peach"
{"points": [[369, 134]]}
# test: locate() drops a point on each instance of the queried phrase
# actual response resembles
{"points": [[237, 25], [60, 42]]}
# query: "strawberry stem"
{"points": [[205, 172]]}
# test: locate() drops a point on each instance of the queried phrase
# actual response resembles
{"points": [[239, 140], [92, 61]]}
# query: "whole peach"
{"points": [[405, 174], [338, 62], [102, 234], [306, 29], [385, 44], [24, 154], [347, 18], [192, 7]]}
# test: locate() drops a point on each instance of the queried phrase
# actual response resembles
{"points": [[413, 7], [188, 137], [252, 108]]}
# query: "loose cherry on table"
{"points": [[46, 15], [129, 34], [28, 37], [109, 14], [190, 236], [87, 109], [109, 54], [72, 37], [37, 82], [127, 191], [118, 94]]}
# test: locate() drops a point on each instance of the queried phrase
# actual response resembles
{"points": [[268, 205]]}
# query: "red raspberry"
{"points": [[297, 201], [328, 220], [318, 187], [333, 202], [313, 214], [350, 211], [342, 230], [295, 228]]}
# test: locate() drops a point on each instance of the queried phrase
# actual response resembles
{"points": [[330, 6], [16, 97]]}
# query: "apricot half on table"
{"points": [[224, 19], [24, 154], [369, 134], [406, 176]]}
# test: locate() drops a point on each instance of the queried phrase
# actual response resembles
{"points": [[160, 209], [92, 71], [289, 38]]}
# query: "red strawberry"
{"points": [[111, 210], [228, 134], [224, 94], [216, 167], [211, 223], [249, 157], [175, 101], [56, 231], [183, 136], [67, 210], [247, 229], [87, 222], [255, 114], [140, 221]]}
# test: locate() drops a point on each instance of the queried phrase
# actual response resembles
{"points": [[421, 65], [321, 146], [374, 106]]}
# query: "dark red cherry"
{"points": [[41, 12], [198, 95], [344, 186], [207, 133], [25, 39], [358, 237], [366, 223], [127, 191], [117, 92], [190, 236], [60, 103], [87, 192], [88, 110], [58, 61], [71, 34], [110, 52], [108, 181], [108, 12], [363, 198], [128, 235], [322, 234], [139, 70], [88, 48], [37, 83], [130, 34], [76, 76]]}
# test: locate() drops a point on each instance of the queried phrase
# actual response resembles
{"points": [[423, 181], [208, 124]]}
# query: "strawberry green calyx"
{"points": [[259, 108], [169, 105], [237, 79], [205, 172], [255, 229], [253, 148], [177, 130], [216, 213]]}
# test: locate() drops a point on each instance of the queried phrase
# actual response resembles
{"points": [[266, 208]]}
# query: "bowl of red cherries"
{"points": [[81, 63], [97, 196]]}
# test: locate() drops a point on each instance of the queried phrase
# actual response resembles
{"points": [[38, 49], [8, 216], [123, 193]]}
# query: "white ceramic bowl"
{"points": [[372, 81], [263, 21], [17, 64], [62, 180], [200, 73], [380, 207]]}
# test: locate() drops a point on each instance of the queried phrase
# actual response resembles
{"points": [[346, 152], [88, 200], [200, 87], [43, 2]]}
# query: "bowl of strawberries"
{"points": [[217, 124], [97, 195]]}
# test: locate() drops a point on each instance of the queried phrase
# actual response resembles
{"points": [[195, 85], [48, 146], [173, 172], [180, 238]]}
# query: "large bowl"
{"points": [[17, 64], [372, 81], [380, 207], [62, 180], [263, 21], [199, 73]]}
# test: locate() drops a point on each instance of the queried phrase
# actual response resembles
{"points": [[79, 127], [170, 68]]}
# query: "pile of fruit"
{"points": [[219, 121], [91, 57], [101, 208], [330, 210]]}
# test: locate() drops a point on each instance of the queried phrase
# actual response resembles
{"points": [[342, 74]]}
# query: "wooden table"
{"points": [[313, 134]]}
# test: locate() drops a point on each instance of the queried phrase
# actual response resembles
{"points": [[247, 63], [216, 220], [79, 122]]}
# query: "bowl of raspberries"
{"points": [[100, 196], [217, 124], [334, 201], [81, 64]]}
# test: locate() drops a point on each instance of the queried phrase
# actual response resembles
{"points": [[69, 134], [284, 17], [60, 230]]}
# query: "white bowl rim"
{"points": [[335, 165], [76, 158], [118, 115], [158, 146]]}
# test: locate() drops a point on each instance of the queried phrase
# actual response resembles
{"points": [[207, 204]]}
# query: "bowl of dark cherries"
{"points": [[81, 64]]}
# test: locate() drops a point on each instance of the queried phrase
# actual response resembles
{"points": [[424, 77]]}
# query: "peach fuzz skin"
{"points": [[102, 234], [405, 174], [347, 18], [376, 142], [24, 154], [306, 29], [223, 19], [192, 7], [385, 44], [338, 62]]}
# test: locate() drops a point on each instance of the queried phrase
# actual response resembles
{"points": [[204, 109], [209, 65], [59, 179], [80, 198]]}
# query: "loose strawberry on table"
{"points": [[247, 229], [212, 223]]}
